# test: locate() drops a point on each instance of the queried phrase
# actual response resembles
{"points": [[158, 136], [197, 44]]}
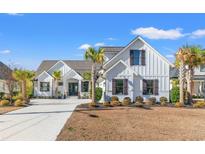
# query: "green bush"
{"points": [[4, 103], [114, 98], [1, 95], [126, 101], [174, 94], [139, 99], [98, 93]]}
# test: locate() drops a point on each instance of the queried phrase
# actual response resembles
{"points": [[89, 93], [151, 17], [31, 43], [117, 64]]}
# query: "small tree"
{"points": [[97, 57], [57, 76]]}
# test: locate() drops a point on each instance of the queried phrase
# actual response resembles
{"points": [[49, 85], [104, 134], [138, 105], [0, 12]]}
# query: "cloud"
{"points": [[198, 33], [15, 14], [154, 33], [111, 39], [170, 56], [84, 46], [99, 44], [5, 51]]}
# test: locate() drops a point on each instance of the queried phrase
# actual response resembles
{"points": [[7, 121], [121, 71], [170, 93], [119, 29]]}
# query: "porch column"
{"points": [[79, 88]]}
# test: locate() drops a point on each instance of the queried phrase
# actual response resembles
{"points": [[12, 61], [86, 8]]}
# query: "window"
{"points": [[137, 57], [85, 86], [60, 83], [119, 86], [202, 68], [44, 86], [150, 87]]}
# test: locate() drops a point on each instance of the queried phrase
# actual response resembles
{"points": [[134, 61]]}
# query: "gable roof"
{"points": [[5, 71], [80, 66], [133, 41], [112, 48]]}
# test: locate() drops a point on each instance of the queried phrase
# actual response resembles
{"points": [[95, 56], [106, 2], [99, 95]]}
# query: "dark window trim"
{"points": [[82, 90], [155, 87], [142, 57], [124, 87]]}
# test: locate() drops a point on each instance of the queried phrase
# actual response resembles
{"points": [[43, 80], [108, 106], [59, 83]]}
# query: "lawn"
{"points": [[124, 123], [8, 109]]}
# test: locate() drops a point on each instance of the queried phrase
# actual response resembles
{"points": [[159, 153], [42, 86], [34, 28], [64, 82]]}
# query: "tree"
{"points": [[97, 57], [194, 61], [9, 81], [23, 76], [57, 76], [181, 57]]}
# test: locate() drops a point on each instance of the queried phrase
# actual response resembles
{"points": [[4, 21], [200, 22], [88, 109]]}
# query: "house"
{"points": [[72, 81], [5, 73], [136, 69], [198, 80], [129, 71]]}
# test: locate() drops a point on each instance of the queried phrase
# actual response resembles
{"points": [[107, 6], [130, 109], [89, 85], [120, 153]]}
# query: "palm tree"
{"points": [[22, 76], [97, 57], [181, 57], [194, 61], [57, 76]]}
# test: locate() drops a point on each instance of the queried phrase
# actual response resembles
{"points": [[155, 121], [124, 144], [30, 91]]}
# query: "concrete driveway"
{"points": [[42, 121]]}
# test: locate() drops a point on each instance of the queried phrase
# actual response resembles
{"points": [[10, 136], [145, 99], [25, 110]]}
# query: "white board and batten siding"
{"points": [[156, 67]]}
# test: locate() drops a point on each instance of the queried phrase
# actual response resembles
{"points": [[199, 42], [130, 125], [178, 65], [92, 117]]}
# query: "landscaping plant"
{"points": [[98, 93], [174, 96], [163, 101], [126, 101], [4, 103]]}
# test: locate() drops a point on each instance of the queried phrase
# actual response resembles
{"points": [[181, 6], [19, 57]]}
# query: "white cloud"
{"points": [[154, 33], [5, 51], [84, 46], [99, 44], [111, 38], [198, 33], [170, 56], [15, 14]]}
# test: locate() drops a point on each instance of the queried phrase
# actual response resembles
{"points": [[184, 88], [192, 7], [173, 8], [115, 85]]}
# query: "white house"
{"points": [[198, 80], [135, 70], [72, 82]]}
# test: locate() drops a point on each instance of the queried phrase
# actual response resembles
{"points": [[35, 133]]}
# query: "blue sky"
{"points": [[27, 39]]}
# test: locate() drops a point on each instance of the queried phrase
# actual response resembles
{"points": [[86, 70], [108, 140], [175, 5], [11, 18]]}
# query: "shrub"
{"points": [[19, 102], [5, 97], [178, 104], [114, 98], [115, 103], [98, 93], [153, 100], [1, 95], [4, 103], [174, 96], [92, 104], [139, 99], [163, 99], [106, 104], [126, 101], [199, 104]]}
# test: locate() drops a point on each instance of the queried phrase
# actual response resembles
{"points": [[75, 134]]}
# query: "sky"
{"points": [[27, 39]]}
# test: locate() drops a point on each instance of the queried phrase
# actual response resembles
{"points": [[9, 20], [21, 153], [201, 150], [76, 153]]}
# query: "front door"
{"points": [[73, 89]]}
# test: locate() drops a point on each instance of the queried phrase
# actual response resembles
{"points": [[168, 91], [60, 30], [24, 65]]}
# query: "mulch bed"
{"points": [[133, 123], [6, 109]]}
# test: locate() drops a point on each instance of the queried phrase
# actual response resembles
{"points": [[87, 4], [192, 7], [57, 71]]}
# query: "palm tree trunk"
{"points": [[93, 83], [56, 89], [181, 82], [189, 85], [24, 90]]}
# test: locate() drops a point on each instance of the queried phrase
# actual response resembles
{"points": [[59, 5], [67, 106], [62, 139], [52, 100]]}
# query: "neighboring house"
{"points": [[198, 80], [135, 70], [5, 72], [72, 82]]}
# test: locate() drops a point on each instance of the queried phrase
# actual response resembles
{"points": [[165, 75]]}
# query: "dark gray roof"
{"points": [[79, 66], [5, 71], [112, 49]]}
